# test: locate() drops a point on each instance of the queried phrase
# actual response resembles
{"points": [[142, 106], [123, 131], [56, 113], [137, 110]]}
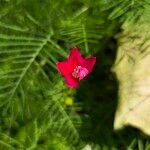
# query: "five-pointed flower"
{"points": [[75, 68]]}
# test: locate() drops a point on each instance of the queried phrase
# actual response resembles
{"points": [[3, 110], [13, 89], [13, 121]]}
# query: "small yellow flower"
{"points": [[69, 101]]}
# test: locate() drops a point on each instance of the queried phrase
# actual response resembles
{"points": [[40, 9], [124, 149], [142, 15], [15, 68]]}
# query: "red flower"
{"points": [[75, 68]]}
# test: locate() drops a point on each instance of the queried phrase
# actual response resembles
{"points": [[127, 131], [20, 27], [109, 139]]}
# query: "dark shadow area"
{"points": [[98, 95]]}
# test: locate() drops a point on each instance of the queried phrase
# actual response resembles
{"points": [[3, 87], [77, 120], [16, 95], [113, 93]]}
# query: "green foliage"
{"points": [[127, 10], [34, 35], [30, 102], [31, 96]]}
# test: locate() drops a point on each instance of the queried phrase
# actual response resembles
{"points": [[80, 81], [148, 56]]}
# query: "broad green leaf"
{"points": [[133, 72]]}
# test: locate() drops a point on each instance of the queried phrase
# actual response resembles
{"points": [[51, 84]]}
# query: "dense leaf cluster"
{"points": [[34, 35]]}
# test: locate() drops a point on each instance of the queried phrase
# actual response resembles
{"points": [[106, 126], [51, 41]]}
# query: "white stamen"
{"points": [[79, 72]]}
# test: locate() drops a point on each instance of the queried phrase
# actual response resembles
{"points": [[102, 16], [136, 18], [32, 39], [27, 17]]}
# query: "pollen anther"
{"points": [[79, 72]]}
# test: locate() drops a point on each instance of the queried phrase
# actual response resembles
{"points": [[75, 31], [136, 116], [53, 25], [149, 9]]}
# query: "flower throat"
{"points": [[79, 72]]}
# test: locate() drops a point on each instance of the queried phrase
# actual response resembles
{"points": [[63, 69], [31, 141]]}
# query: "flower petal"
{"points": [[89, 63], [75, 57], [71, 82], [64, 68], [69, 67]]}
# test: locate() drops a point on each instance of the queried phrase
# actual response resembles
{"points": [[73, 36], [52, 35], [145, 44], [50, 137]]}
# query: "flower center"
{"points": [[79, 72]]}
